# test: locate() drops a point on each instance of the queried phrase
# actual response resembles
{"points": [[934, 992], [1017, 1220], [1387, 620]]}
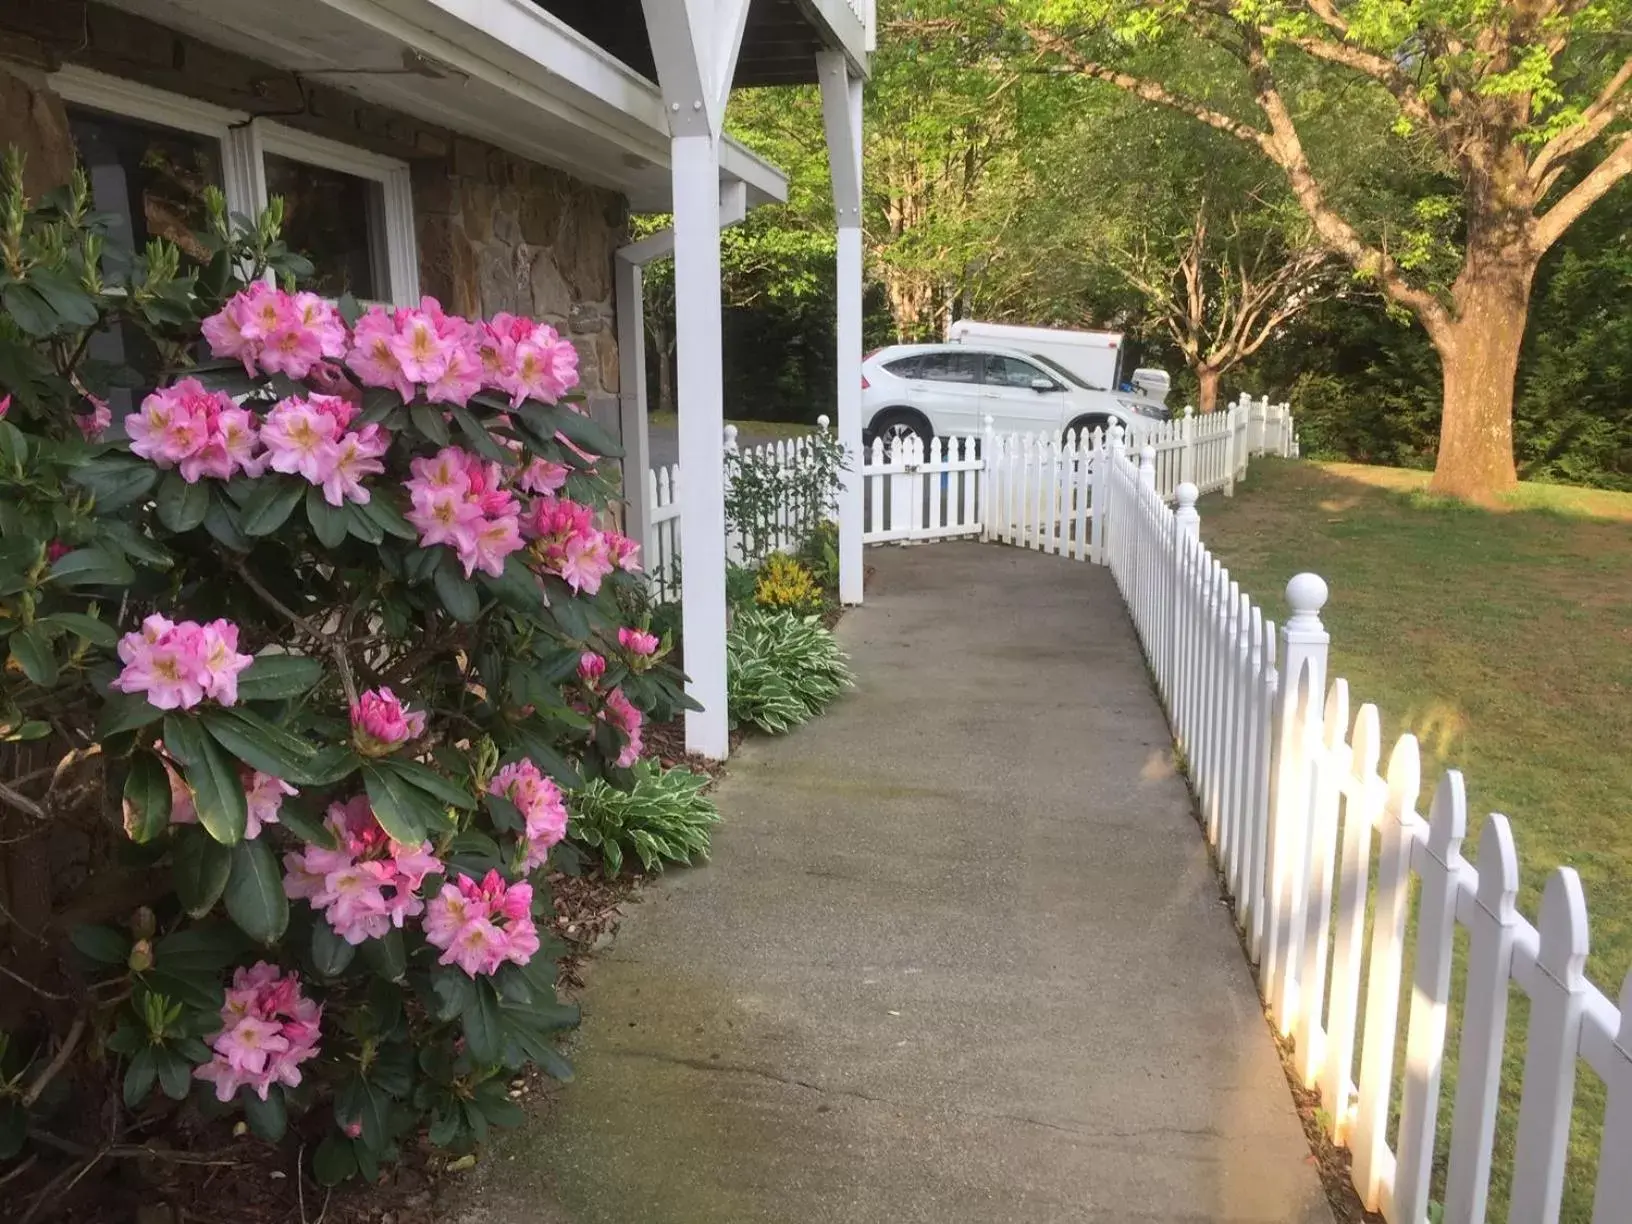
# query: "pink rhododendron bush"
{"points": [[335, 616]]}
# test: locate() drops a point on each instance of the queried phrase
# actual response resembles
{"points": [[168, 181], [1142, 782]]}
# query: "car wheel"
{"points": [[896, 423], [1084, 426]]}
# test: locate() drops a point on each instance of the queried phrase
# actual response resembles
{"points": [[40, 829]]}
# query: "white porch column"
{"points": [[630, 301], [695, 44], [841, 113]]}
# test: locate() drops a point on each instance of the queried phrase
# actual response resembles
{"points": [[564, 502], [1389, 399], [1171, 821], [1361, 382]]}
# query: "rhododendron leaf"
{"points": [[378, 403], [268, 1118], [386, 957], [587, 433], [330, 953], [218, 794], [483, 1025], [221, 521], [206, 948], [116, 481], [513, 986], [270, 505], [429, 421], [302, 824], [473, 853], [507, 816], [175, 1072], [454, 992], [259, 743], [349, 307], [277, 677], [567, 609], [31, 312], [135, 546], [359, 1102], [481, 441], [447, 1122], [104, 945], [333, 1162], [92, 567], [71, 303], [385, 515], [330, 765], [181, 506], [254, 895], [403, 810], [433, 783], [329, 523], [458, 596], [517, 588], [97, 632], [359, 524], [139, 1077], [531, 740], [31, 651], [195, 990], [201, 867], [146, 798], [496, 1104]]}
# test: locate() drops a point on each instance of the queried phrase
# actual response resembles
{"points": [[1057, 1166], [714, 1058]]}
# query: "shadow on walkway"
{"points": [[959, 957]]}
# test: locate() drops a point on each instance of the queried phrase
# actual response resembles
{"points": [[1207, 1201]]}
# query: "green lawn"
{"points": [[1502, 638]]}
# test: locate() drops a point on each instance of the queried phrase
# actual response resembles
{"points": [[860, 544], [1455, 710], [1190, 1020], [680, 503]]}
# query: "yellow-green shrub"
{"points": [[786, 584]]}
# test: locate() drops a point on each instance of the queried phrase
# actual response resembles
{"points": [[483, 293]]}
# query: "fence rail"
{"points": [[1340, 883]]}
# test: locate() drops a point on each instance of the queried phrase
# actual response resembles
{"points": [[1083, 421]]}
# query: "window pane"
{"points": [[334, 220], [905, 367], [1010, 371], [963, 367]]}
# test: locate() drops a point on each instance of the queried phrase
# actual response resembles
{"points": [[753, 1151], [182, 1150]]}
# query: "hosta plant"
{"points": [[781, 669], [663, 817], [333, 613]]}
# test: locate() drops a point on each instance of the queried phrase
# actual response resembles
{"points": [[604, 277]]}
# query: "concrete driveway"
{"points": [[959, 958]]}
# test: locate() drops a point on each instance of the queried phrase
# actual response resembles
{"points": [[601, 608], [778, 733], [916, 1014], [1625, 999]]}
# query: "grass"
{"points": [[1502, 638], [768, 429]]}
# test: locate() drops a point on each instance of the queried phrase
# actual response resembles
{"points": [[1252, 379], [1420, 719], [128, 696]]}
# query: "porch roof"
{"points": [[509, 72]]}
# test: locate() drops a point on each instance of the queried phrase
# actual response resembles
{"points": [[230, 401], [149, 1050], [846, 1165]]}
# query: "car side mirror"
{"points": [[1044, 384]]}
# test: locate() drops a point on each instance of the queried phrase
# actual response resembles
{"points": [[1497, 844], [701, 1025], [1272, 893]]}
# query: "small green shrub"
{"points": [[740, 583], [787, 584], [820, 553], [663, 818], [781, 669]]}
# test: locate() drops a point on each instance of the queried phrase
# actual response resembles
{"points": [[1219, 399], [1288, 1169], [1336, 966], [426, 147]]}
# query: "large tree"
{"points": [[1520, 106]]}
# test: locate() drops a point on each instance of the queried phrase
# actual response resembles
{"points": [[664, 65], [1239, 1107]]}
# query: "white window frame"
{"points": [[245, 140]]}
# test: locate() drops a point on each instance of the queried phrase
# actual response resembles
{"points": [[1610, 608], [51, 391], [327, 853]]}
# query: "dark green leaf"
{"points": [[447, 1122], [254, 896], [270, 505], [260, 744], [454, 992], [97, 632], [361, 525], [29, 310], [428, 421], [147, 798], [277, 677], [134, 545], [102, 944], [175, 1073], [484, 1036], [207, 948], [587, 434], [457, 595], [201, 868], [530, 739], [378, 403], [31, 649], [92, 567], [431, 782], [182, 506], [358, 1101], [386, 517], [328, 522], [116, 482], [333, 1162], [72, 304], [221, 521], [507, 817], [217, 792], [139, 1077], [13, 1127], [517, 588], [303, 825], [330, 953], [330, 765], [349, 308], [268, 1118], [203, 993], [124, 712], [403, 810], [386, 957], [480, 440]]}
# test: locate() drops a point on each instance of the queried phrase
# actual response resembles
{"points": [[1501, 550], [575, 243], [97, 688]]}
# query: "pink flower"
{"points": [[420, 351], [268, 1029], [56, 550], [494, 540], [543, 476], [481, 926], [177, 426], [625, 552], [5, 406], [380, 725], [586, 561], [278, 332], [591, 667], [265, 795], [460, 379], [460, 501], [637, 642], [367, 886], [357, 455], [371, 357], [220, 661], [292, 349], [178, 665], [539, 801], [239, 437], [621, 713], [301, 435], [91, 424], [442, 516], [545, 367]]}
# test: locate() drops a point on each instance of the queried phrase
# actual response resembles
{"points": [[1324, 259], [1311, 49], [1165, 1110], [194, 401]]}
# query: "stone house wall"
{"points": [[495, 232]]}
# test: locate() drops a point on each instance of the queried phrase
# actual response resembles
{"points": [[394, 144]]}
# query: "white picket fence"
{"points": [[1319, 850]]}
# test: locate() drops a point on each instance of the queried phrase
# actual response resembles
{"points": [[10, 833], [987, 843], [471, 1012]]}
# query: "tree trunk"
{"points": [[1479, 351], [1207, 387], [663, 349]]}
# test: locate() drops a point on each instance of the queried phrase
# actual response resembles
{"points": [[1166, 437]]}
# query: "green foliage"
{"points": [[781, 669], [786, 584], [740, 582], [820, 555], [760, 484], [663, 818]]}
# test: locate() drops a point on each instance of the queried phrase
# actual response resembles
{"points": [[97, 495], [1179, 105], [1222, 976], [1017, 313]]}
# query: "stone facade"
{"points": [[495, 232]]}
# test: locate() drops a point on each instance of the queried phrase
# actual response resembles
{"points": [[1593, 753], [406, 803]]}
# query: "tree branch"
{"points": [[1584, 195], [1598, 116]]}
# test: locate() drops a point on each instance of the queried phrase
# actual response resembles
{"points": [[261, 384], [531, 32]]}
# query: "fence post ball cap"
{"points": [[1186, 495], [822, 422], [1306, 594], [1147, 454]]}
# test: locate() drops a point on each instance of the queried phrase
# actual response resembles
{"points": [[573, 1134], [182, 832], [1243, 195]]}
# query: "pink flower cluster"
{"points": [[268, 1028], [481, 926], [567, 542], [621, 713], [263, 795], [199, 431], [641, 646], [539, 800], [178, 664], [309, 434], [281, 333], [92, 424], [366, 886], [380, 724], [460, 501]]}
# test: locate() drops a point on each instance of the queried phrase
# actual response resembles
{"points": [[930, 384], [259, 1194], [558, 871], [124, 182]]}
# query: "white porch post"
{"points": [[630, 298], [841, 112], [695, 44]]}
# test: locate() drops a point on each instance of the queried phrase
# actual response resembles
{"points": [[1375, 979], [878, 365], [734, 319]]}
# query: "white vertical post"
{"points": [[1186, 538], [1187, 444], [637, 447], [988, 456], [1147, 466], [841, 114]]}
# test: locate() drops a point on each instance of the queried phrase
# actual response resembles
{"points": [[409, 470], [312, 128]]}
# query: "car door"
{"points": [[946, 389], [1011, 391]]}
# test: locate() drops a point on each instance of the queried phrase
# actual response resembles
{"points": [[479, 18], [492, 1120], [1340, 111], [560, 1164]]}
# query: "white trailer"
{"points": [[1094, 357]]}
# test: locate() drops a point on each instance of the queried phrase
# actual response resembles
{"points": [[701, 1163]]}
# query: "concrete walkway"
{"points": [[959, 957]]}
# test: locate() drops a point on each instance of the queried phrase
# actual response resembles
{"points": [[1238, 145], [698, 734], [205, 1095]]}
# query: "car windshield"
{"points": [[1063, 372]]}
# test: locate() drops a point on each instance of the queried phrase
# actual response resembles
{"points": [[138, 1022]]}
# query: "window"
{"points": [[950, 367], [1004, 371], [905, 367], [151, 153]]}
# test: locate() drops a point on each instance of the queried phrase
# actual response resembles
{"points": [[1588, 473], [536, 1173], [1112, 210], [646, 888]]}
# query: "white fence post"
{"points": [[988, 457], [1147, 466], [1187, 445], [1186, 538]]}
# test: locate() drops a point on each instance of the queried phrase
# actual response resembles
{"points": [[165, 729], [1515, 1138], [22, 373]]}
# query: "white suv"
{"points": [[930, 389]]}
